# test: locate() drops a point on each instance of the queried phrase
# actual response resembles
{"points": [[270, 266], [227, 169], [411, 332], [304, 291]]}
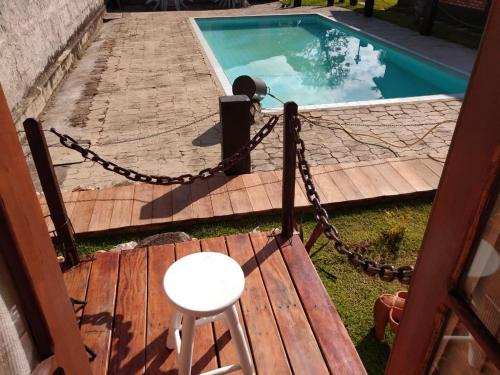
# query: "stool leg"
{"points": [[187, 342], [238, 336], [174, 326]]}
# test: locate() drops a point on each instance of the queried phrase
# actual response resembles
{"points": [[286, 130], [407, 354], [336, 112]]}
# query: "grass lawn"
{"points": [[388, 10], [353, 293]]}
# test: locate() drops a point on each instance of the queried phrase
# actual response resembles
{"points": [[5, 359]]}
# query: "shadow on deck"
{"points": [[289, 319]]}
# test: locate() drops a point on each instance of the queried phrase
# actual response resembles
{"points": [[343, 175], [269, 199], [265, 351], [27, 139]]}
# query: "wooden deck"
{"points": [[292, 326], [142, 206]]}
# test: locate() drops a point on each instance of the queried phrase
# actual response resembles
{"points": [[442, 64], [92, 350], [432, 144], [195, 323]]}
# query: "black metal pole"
{"points": [[329, 3], [235, 123], [50, 186], [289, 167], [430, 12], [368, 9], [297, 3]]}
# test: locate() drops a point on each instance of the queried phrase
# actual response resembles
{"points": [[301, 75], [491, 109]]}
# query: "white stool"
{"points": [[205, 286]]}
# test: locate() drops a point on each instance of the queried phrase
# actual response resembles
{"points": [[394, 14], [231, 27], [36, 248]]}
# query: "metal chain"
{"points": [[133, 175], [370, 267]]}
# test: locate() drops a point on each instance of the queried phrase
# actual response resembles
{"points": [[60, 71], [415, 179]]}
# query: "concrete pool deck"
{"points": [[146, 73]]}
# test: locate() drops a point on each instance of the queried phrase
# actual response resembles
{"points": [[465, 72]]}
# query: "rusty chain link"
{"points": [[133, 175], [384, 271]]}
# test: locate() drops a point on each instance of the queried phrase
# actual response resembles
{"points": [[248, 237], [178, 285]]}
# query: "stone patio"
{"points": [[145, 96]]}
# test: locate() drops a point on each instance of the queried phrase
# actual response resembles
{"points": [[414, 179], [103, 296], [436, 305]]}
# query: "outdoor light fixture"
{"points": [[255, 88]]}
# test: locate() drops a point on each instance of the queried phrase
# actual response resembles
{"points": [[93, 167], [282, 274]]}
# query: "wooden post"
{"points": [[31, 263], [368, 9], [430, 12], [50, 186], [289, 167], [235, 122], [317, 232]]}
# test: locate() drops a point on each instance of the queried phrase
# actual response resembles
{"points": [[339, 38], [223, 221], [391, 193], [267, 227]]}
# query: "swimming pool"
{"points": [[315, 61]]}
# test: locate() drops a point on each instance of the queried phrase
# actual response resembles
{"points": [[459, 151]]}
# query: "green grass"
{"points": [[388, 10], [353, 293]]}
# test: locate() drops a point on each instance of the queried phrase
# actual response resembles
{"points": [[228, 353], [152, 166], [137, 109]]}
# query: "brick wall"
{"points": [[33, 34], [472, 4]]}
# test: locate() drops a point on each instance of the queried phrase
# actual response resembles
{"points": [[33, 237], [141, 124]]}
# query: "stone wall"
{"points": [[36, 37]]}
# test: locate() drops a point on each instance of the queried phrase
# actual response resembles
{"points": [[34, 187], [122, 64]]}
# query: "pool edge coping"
{"points": [[227, 87]]}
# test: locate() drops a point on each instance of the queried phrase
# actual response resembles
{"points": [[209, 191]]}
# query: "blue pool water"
{"points": [[313, 60]]}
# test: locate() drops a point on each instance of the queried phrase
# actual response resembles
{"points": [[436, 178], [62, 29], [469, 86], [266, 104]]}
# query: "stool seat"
{"points": [[204, 284]]}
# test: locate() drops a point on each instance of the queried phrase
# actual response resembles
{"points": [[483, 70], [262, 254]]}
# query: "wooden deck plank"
{"points": [[226, 349], [82, 212], [268, 350], [162, 204], [273, 187], [398, 181], [303, 351], [318, 170], [159, 359], [300, 195], [128, 355], [76, 280], [256, 192], [250, 193], [335, 343], [103, 209], [122, 209], [345, 184], [181, 203], [217, 183], [329, 191], [70, 199], [204, 355], [290, 322], [202, 204], [426, 172], [240, 201], [434, 165], [221, 204], [97, 320], [142, 209], [383, 186], [362, 182], [407, 169]]}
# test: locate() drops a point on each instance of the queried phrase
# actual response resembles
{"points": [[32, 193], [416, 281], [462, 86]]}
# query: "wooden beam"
{"points": [[32, 248], [469, 173]]}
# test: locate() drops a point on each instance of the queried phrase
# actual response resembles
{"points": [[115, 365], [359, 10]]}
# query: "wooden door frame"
{"points": [[466, 185], [32, 260]]}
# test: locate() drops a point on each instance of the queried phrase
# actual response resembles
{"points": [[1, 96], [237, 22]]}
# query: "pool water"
{"points": [[313, 60]]}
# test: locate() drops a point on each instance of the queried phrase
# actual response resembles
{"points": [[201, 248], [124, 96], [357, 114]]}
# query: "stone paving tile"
{"points": [[145, 96]]}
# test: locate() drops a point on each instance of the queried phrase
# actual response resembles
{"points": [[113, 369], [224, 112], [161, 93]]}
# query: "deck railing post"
{"points": [[50, 186], [235, 119], [289, 167]]}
